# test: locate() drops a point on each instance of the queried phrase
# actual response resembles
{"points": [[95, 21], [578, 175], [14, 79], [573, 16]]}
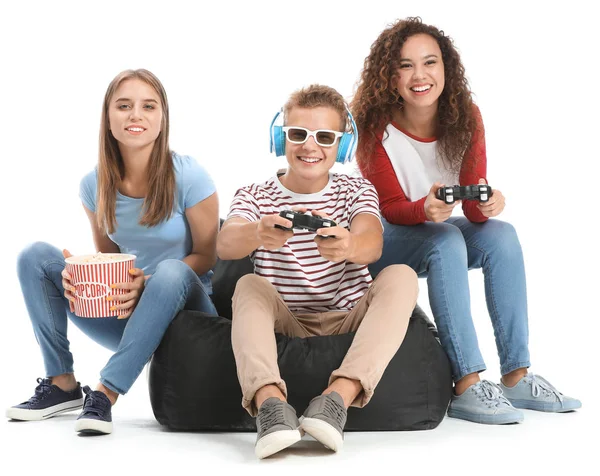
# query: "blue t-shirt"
{"points": [[170, 239]]}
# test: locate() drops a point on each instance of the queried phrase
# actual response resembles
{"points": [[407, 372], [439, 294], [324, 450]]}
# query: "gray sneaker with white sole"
{"points": [[277, 427], [324, 420]]}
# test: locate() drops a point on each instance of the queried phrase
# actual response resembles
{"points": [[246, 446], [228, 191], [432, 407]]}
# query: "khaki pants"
{"points": [[380, 319]]}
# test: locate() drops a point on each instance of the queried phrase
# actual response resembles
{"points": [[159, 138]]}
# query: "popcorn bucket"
{"points": [[92, 275]]}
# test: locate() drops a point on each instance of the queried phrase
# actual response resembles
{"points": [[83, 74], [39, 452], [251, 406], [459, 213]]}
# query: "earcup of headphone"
{"points": [[344, 148], [346, 145], [279, 140]]}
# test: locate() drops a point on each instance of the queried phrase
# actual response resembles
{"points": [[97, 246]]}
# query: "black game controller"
{"points": [[468, 192], [302, 221]]}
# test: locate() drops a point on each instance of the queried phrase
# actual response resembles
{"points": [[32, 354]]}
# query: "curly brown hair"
{"points": [[376, 98]]}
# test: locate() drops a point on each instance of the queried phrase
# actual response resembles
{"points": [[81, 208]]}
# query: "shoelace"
{"points": [[41, 391], [271, 415], [335, 410], [541, 385], [490, 394], [95, 402]]}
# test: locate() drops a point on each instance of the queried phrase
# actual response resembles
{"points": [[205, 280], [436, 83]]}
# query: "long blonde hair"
{"points": [[160, 199]]}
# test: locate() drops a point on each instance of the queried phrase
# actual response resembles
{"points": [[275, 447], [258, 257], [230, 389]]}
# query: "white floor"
{"points": [[544, 444], [561, 444]]}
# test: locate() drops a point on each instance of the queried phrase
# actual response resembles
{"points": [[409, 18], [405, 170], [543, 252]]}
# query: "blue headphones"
{"points": [[346, 147]]}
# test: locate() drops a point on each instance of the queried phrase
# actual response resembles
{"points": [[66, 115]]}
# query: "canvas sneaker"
{"points": [[483, 402], [324, 420], [96, 416], [277, 427], [48, 401], [533, 392]]}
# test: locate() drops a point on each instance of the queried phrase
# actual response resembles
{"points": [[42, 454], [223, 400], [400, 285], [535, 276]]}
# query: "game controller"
{"points": [[302, 221], [467, 192]]}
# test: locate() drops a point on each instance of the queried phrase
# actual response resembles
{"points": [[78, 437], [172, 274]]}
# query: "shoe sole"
{"points": [[87, 425], [323, 432], [545, 406], [274, 442], [486, 419], [23, 414]]}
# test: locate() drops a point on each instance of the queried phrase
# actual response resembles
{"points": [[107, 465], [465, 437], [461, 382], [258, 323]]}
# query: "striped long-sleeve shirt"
{"points": [[307, 281]]}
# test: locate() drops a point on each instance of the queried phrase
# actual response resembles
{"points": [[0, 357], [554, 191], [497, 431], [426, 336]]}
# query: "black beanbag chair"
{"points": [[193, 381]]}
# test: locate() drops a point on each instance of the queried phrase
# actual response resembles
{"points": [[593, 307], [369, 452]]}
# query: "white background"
{"points": [[227, 68]]}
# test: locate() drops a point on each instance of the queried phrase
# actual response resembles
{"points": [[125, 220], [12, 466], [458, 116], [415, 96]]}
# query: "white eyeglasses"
{"points": [[323, 137]]}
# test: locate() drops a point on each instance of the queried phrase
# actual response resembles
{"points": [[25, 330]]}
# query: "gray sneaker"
{"points": [[536, 393], [324, 420], [483, 402], [277, 426]]}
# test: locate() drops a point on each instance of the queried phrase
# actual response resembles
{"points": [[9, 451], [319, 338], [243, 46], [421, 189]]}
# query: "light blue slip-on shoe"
{"points": [[533, 392], [483, 402]]}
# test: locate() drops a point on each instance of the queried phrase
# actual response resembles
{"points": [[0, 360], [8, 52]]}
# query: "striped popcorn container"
{"points": [[92, 275]]}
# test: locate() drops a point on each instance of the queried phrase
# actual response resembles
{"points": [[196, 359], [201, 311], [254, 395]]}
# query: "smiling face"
{"points": [[420, 77], [309, 163], [135, 115]]}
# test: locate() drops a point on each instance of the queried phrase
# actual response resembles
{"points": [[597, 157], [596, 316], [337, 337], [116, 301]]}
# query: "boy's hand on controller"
{"points": [[272, 238], [494, 206], [334, 243], [437, 210]]}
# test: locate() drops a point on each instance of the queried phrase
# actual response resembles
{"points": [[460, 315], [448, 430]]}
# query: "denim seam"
{"points": [[44, 265], [182, 298], [507, 368], [425, 241], [497, 320], [110, 386], [452, 330], [470, 370]]}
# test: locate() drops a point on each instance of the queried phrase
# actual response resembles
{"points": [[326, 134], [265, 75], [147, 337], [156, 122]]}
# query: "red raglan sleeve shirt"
{"points": [[397, 208]]}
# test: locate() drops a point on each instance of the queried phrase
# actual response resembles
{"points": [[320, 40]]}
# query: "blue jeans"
{"points": [[444, 253], [173, 286]]}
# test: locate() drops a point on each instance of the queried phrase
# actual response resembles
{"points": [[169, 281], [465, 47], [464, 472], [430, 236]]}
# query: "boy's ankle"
{"points": [[266, 392]]}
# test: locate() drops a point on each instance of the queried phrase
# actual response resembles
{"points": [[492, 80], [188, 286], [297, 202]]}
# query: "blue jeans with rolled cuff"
{"points": [[444, 253], [174, 286]]}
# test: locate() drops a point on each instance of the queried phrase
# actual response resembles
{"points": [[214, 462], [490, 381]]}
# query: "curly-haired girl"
{"points": [[421, 131]]}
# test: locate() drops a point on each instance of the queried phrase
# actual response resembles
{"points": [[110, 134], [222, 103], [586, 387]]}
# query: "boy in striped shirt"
{"points": [[308, 284]]}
